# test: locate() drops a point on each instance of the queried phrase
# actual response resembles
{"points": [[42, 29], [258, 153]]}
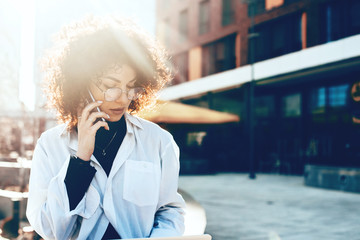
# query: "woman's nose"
{"points": [[123, 98]]}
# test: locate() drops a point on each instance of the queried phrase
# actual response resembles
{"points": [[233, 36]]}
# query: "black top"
{"points": [[80, 173], [109, 141]]}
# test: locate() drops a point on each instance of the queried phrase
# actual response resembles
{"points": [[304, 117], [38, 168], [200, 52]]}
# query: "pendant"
{"points": [[103, 153]]}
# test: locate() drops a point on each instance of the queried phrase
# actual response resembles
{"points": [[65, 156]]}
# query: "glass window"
{"points": [[207, 61], [228, 12], [195, 138], [354, 17], [277, 37], [256, 7], [318, 100], [181, 68], [204, 17], [292, 105], [334, 21], [333, 96], [219, 56], [166, 29], [338, 95], [290, 1], [220, 52], [264, 106], [183, 25], [340, 18]]}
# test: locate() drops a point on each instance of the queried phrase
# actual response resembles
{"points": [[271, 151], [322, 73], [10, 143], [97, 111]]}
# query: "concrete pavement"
{"points": [[273, 207]]}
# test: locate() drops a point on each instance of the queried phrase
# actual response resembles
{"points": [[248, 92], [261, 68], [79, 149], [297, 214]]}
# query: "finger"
{"points": [[86, 111], [79, 113], [94, 115], [98, 125]]}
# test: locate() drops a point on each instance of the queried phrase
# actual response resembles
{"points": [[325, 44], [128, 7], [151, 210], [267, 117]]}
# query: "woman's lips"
{"points": [[117, 110]]}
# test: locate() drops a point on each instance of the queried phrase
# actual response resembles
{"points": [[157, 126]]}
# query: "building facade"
{"points": [[301, 56]]}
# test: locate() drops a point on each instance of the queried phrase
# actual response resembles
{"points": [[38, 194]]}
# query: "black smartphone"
{"points": [[97, 108]]}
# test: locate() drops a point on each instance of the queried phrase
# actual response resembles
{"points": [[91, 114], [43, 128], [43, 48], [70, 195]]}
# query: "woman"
{"points": [[105, 173]]}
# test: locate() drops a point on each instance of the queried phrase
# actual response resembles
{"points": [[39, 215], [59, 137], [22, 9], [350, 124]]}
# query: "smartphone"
{"points": [[97, 108]]}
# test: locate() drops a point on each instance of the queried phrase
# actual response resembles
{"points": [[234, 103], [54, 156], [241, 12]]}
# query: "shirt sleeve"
{"points": [[169, 218], [77, 180], [48, 208]]}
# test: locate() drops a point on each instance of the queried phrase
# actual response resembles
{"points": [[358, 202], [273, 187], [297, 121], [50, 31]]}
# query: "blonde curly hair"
{"points": [[88, 47]]}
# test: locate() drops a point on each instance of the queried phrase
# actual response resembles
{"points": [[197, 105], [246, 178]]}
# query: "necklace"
{"points": [[103, 151]]}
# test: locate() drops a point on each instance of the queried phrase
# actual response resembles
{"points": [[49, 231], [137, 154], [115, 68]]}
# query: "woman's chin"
{"points": [[115, 118]]}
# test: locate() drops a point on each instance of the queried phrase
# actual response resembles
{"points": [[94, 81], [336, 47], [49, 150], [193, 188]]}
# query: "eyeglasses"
{"points": [[112, 94]]}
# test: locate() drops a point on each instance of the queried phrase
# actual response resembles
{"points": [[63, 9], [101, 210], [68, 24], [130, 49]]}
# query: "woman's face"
{"points": [[123, 77]]}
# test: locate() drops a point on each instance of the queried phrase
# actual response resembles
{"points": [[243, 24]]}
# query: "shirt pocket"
{"points": [[140, 183]]}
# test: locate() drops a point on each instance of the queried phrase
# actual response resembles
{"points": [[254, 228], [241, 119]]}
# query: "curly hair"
{"points": [[88, 47]]}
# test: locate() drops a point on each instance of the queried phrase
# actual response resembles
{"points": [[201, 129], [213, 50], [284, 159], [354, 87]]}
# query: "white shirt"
{"points": [[139, 197]]}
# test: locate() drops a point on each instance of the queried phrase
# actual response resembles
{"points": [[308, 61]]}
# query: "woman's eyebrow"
{"points": [[117, 80]]}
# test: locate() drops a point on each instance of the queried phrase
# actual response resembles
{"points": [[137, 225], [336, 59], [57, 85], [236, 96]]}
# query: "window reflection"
{"points": [[338, 95], [292, 105]]}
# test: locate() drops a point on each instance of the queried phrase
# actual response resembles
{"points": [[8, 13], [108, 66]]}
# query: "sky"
{"points": [[43, 18], [9, 56]]}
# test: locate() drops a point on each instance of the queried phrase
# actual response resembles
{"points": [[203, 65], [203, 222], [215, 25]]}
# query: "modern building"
{"points": [[302, 58]]}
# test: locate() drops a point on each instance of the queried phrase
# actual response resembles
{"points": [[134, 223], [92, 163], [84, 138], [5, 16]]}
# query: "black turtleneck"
{"points": [[109, 142], [80, 173]]}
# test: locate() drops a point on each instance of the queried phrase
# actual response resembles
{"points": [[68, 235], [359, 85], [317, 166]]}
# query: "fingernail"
{"points": [[108, 115], [100, 101]]}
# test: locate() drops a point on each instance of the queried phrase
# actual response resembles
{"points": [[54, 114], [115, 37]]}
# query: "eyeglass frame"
{"points": [[122, 91]]}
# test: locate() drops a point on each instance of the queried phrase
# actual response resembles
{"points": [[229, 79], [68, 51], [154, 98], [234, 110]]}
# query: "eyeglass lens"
{"points": [[113, 94]]}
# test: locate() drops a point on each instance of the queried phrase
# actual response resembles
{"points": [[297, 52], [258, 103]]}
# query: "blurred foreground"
{"points": [[273, 207]]}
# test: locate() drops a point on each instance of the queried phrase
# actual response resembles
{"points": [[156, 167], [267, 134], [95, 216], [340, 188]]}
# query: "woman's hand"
{"points": [[87, 130]]}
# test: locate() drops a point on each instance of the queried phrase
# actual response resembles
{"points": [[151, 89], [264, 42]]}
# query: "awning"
{"points": [[271, 69], [174, 112]]}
